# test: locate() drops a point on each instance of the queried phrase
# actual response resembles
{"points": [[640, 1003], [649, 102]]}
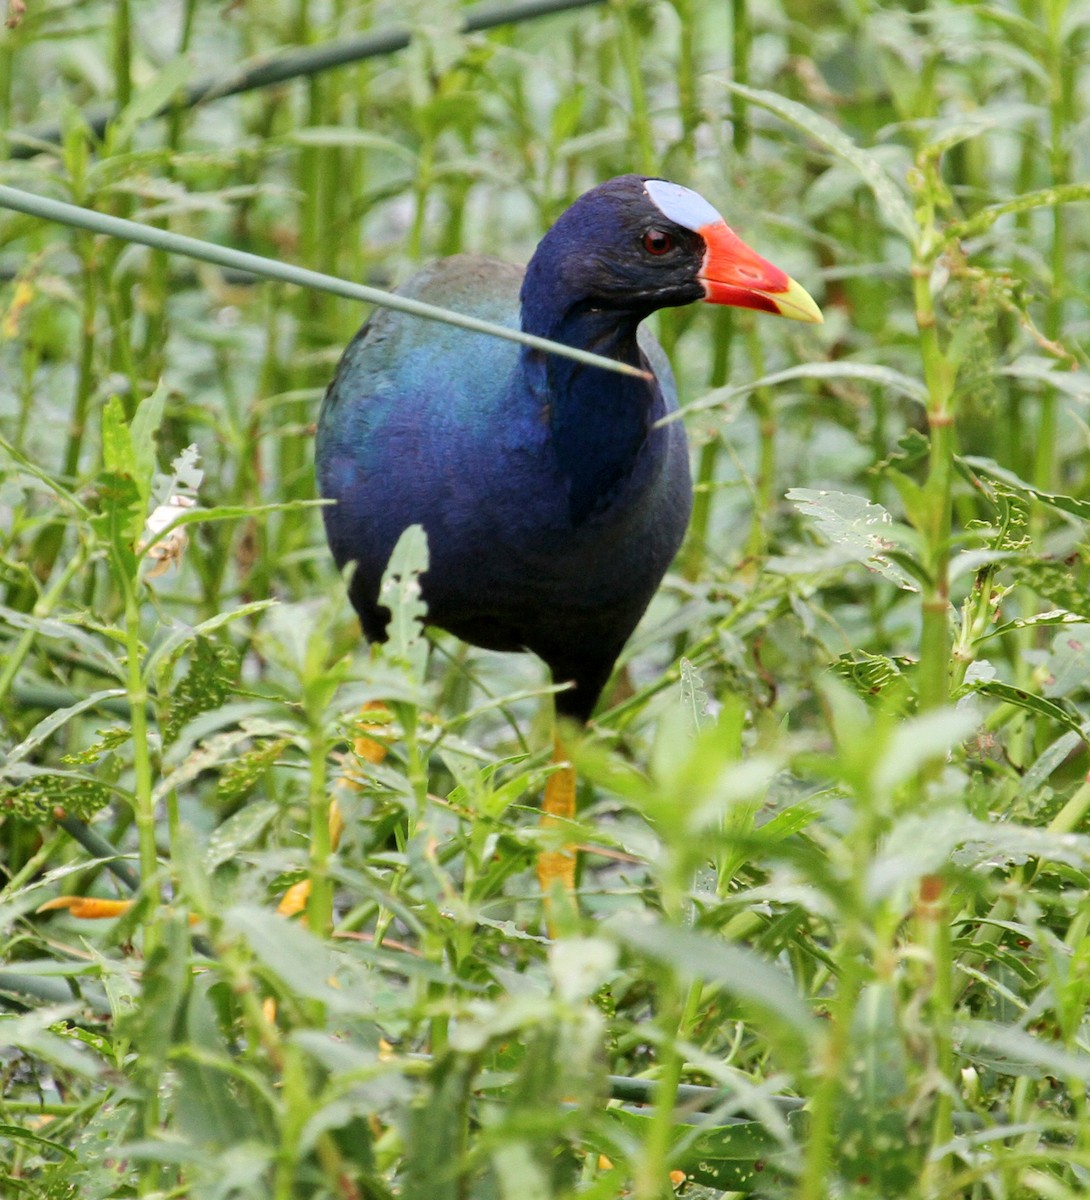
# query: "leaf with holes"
{"points": [[860, 528]]}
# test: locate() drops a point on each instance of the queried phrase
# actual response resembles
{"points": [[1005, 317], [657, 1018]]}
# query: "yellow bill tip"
{"points": [[796, 304]]}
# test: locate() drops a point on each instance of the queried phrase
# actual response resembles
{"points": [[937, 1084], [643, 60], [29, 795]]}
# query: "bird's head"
{"points": [[636, 244]]}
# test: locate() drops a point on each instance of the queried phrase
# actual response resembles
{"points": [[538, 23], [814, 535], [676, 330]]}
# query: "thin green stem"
{"points": [[268, 268], [934, 680], [144, 808], [640, 120], [761, 405], [934, 920], [85, 374], [297, 1105], [696, 544], [688, 102], [741, 39], [122, 53], [320, 900], [46, 603], [833, 1054], [651, 1170], [1061, 121]]}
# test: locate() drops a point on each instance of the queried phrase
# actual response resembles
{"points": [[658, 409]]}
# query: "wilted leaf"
{"points": [[400, 593], [694, 700]]}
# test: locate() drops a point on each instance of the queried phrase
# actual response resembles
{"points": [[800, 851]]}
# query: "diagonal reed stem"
{"points": [[268, 268]]}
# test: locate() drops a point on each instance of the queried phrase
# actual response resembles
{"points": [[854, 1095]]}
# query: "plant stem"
{"points": [[1061, 119], [320, 900], [934, 918], [934, 682], [122, 53], [45, 604], [760, 403], [740, 44], [143, 804], [640, 122]]}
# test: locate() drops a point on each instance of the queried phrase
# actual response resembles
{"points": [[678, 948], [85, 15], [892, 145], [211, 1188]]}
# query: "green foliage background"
{"points": [[835, 904]]}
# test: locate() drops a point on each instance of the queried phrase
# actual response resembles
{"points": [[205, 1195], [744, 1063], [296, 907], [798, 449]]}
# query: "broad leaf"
{"points": [[857, 526]]}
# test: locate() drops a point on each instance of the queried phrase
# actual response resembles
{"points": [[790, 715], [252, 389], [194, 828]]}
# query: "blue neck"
{"points": [[600, 420]]}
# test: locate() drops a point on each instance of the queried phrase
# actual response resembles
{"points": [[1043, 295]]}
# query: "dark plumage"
{"points": [[552, 500]]}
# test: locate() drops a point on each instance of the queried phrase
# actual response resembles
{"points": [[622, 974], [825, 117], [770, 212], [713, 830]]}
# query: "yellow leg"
{"points": [[94, 908], [87, 908], [558, 808]]}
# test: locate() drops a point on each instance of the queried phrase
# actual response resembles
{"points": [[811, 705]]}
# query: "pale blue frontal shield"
{"points": [[681, 205]]}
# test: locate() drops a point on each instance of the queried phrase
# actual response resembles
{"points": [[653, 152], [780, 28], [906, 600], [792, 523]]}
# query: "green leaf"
{"points": [[853, 372], [44, 479], [142, 433], [205, 1103], [70, 633], [210, 753], [165, 983], [892, 203], [241, 774], [1029, 701], [1051, 374], [166, 652], [869, 674], [1064, 504], [737, 1157], [34, 792], [147, 100], [1053, 197], [16, 1133], [212, 678], [1012, 1051], [42, 1033], [1054, 581], [946, 132], [239, 832], [919, 740], [50, 724], [294, 956], [872, 1133], [758, 986], [439, 1128], [118, 455]]}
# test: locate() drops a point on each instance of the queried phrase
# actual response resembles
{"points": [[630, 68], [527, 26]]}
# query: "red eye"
{"points": [[657, 241]]}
